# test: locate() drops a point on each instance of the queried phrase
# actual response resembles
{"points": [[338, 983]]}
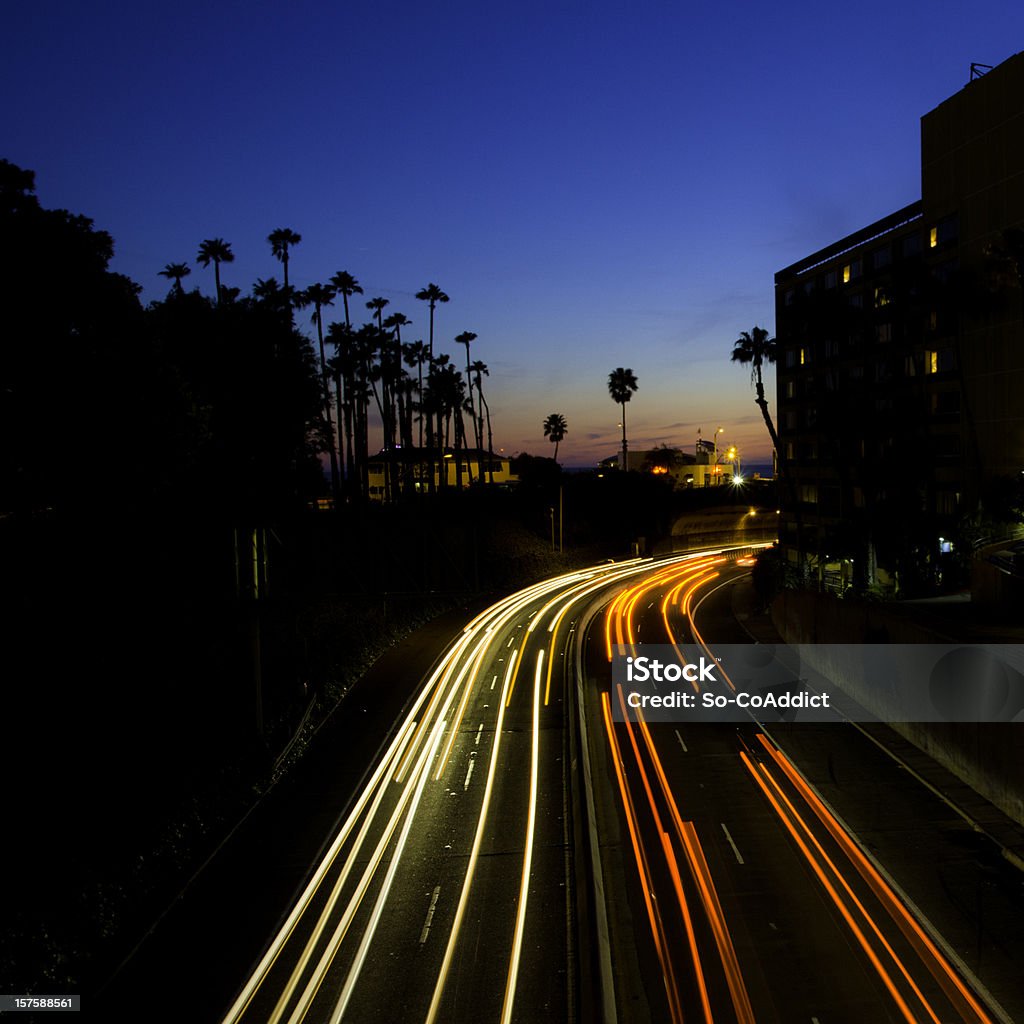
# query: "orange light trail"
{"points": [[954, 988], [653, 913], [830, 889], [702, 876]]}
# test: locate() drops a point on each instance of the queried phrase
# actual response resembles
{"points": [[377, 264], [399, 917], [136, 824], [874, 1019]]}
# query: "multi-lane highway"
{"points": [[518, 855], [757, 902], [447, 893]]}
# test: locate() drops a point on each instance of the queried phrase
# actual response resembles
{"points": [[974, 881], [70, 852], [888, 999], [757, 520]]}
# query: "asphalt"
{"points": [[956, 621]]}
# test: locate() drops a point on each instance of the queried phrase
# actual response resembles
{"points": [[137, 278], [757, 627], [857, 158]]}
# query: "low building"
{"points": [[397, 471], [707, 467]]}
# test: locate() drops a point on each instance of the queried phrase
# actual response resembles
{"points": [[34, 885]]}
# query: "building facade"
{"points": [[399, 471], [900, 367]]}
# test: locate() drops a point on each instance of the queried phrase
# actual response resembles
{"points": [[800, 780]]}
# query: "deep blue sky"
{"points": [[594, 185]]}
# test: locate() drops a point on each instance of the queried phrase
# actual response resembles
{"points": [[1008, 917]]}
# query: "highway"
{"points": [[747, 897], [517, 855], [447, 893]]}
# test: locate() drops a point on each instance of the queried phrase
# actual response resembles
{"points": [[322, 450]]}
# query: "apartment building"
{"points": [[901, 359]]}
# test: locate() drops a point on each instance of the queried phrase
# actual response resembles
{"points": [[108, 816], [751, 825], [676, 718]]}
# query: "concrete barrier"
{"points": [[988, 757]]}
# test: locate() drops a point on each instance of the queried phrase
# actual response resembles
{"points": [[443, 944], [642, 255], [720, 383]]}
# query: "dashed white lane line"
{"points": [[681, 743], [469, 772], [732, 843], [493, 681], [430, 914], [478, 732]]}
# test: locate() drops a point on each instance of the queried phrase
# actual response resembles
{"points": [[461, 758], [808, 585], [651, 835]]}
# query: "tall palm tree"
{"points": [[175, 272], [318, 296], [346, 286], [395, 373], [756, 348], [376, 306], [621, 385], [480, 371], [281, 241], [416, 355], [556, 428], [465, 338], [215, 251], [433, 295]]}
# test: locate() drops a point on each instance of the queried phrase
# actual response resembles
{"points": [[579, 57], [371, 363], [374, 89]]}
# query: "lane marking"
{"points": [[732, 843], [681, 743], [469, 772], [480, 730], [430, 915], [495, 679]]}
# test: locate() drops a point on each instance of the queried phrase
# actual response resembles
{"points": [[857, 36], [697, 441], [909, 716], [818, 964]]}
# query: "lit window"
{"points": [[931, 362], [933, 238], [881, 298], [790, 389], [803, 356], [846, 274]]}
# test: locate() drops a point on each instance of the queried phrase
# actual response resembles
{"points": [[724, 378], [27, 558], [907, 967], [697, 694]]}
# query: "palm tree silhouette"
{"points": [[318, 296], [480, 369], [556, 428], [465, 338], [756, 348], [175, 271], [433, 295], [281, 241], [215, 251], [621, 385], [346, 286]]}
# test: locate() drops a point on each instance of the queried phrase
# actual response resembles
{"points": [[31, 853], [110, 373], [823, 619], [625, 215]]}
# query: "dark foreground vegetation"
{"points": [[178, 614]]}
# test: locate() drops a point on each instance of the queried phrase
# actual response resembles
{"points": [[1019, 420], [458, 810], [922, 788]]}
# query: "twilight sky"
{"points": [[593, 184]]}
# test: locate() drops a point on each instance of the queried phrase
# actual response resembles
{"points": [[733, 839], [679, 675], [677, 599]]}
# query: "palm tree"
{"points": [[281, 240], [215, 251], [621, 385], [433, 295], [176, 271], [465, 338], [416, 355], [556, 428], [346, 286], [318, 296], [756, 348], [480, 370]]}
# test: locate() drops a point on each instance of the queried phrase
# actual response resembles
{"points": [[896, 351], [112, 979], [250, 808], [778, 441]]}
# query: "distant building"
{"points": [[900, 372], [707, 467], [391, 472]]}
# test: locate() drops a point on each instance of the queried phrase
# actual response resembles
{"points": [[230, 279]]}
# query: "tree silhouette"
{"points": [[281, 242], [433, 295], [318, 296], [176, 271], [555, 429], [756, 348], [215, 251], [621, 385], [466, 338]]}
